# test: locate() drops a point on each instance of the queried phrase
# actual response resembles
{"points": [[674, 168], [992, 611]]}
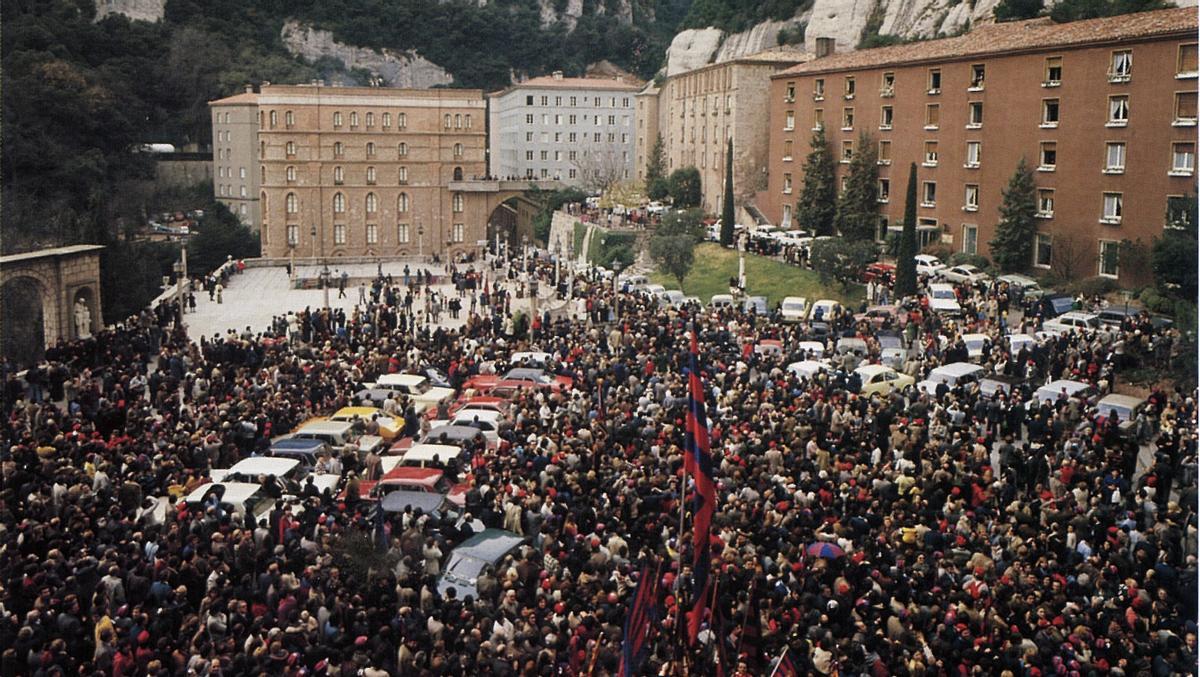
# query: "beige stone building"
{"points": [[235, 174], [696, 111]]}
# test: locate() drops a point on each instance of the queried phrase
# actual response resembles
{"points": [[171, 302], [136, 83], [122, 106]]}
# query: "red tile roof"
{"points": [[551, 82], [1013, 36], [244, 97]]}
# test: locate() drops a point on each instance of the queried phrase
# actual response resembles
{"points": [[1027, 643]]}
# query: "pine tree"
{"points": [[818, 197], [1012, 245], [906, 264], [858, 208], [657, 186], [727, 202]]}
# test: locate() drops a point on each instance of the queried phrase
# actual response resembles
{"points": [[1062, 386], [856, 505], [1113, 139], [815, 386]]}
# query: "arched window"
{"points": [[468, 120], [291, 173], [370, 149], [262, 173], [402, 149], [402, 202], [293, 203], [338, 149], [262, 204], [353, 118], [227, 120], [458, 174], [371, 175], [339, 203], [291, 149], [372, 203], [262, 150], [446, 121], [401, 120], [458, 121], [289, 118], [457, 201], [403, 173], [339, 174], [260, 119], [337, 118], [458, 150], [370, 120], [274, 119]]}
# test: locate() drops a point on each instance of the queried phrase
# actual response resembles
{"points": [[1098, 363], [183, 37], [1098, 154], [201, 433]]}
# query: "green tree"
{"points": [[685, 187], [674, 254], [1173, 259], [1012, 245], [1076, 10], [220, 235], [841, 260], [657, 186], [858, 207], [818, 196], [727, 215], [1013, 10], [689, 222], [906, 265]]}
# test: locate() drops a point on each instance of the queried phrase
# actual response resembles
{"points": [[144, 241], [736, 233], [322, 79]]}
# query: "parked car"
{"points": [[808, 368], [338, 434], [881, 379], [928, 265], [673, 298], [1024, 288], [756, 305], [965, 274], [468, 560], [977, 345], [389, 428], [892, 352], [944, 300], [793, 309], [813, 349], [824, 310], [1115, 317], [1125, 407], [878, 316], [721, 301], [878, 271], [416, 387], [237, 498], [1053, 390], [1073, 321], [953, 375], [1054, 305], [992, 384], [307, 451]]}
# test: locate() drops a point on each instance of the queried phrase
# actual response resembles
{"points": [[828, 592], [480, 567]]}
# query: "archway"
{"points": [[23, 332], [502, 226], [458, 174]]}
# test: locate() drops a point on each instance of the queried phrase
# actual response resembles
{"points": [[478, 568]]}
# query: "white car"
{"points": [[808, 368], [824, 310], [487, 422], [655, 290], [673, 298], [416, 387], [793, 309], [943, 299], [975, 345], [953, 375], [656, 208], [811, 348], [1018, 341], [965, 274], [1073, 321], [928, 265]]}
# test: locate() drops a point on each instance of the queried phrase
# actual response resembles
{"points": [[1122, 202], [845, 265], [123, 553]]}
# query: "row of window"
{"points": [[701, 106], [1118, 114], [227, 172], [556, 174], [227, 190], [597, 120], [597, 102], [573, 137], [339, 149], [1120, 69], [370, 203], [371, 233], [571, 155]]}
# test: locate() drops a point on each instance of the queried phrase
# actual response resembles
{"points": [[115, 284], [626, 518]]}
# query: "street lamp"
{"points": [[325, 284], [533, 300], [179, 275], [616, 297], [420, 241], [524, 250]]}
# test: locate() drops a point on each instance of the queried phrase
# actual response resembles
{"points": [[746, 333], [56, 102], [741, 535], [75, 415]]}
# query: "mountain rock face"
{"points": [[396, 68], [138, 10]]}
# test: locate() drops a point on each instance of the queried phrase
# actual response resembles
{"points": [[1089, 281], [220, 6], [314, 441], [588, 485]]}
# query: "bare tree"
{"points": [[599, 170], [1068, 257]]}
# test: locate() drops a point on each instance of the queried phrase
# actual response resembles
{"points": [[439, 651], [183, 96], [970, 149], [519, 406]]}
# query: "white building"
{"points": [[577, 130]]}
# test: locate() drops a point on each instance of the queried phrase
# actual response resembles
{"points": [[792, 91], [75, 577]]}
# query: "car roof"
{"points": [[1079, 314], [264, 465], [452, 432], [976, 337], [872, 369], [958, 368], [482, 414], [297, 444], [426, 452], [1127, 401], [398, 501], [1057, 386], [1016, 277], [526, 372], [412, 474], [401, 379], [325, 427], [361, 412], [795, 299], [489, 544], [235, 493]]}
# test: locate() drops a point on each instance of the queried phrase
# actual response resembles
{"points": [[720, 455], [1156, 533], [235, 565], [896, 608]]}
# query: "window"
{"points": [[970, 238], [337, 119], [1185, 66], [1114, 157], [787, 183], [789, 121], [1043, 254], [402, 175], [973, 154], [545, 101], [458, 233], [370, 176], [370, 149], [885, 117], [402, 233], [612, 119], [1179, 211], [529, 100], [402, 149], [1183, 158], [457, 202], [458, 150], [292, 203], [339, 203], [290, 173], [290, 149], [932, 113], [1045, 203], [572, 100], [401, 120], [849, 88], [458, 120], [387, 120], [529, 155], [974, 115], [888, 86], [847, 151], [339, 175], [931, 154], [1109, 255], [446, 120], [1122, 66], [1185, 109], [787, 150], [570, 137], [545, 155], [293, 235], [467, 120], [274, 119], [1113, 206], [884, 190], [971, 198], [1048, 156], [1049, 112], [1053, 76], [847, 118], [935, 80], [370, 120], [338, 149], [402, 203], [929, 194], [289, 119], [339, 233], [884, 157], [1118, 110], [353, 119], [977, 71], [818, 119], [371, 203], [789, 92]]}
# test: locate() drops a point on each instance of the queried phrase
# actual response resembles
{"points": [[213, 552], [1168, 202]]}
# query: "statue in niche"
{"points": [[83, 319]]}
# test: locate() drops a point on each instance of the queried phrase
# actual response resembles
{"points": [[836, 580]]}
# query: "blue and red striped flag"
{"points": [[640, 622], [698, 463], [784, 667]]}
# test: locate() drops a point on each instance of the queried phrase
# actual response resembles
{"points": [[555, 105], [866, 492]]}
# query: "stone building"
{"points": [[1103, 111], [235, 160], [697, 110], [575, 130]]}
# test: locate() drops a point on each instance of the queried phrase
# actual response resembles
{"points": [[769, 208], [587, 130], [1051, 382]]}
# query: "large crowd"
{"points": [[972, 534]]}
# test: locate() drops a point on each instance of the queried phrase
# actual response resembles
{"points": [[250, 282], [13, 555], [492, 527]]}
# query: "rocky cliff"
{"points": [[396, 68], [138, 10]]}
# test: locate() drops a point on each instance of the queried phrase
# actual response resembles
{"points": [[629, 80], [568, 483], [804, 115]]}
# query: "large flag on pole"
{"points": [[698, 463], [640, 623], [784, 667]]}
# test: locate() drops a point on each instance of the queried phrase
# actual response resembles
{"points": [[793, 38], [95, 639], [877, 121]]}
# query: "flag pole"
{"points": [[779, 663]]}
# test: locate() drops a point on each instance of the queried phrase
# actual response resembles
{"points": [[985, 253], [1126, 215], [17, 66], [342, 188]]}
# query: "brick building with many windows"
{"points": [[347, 171], [1103, 111]]}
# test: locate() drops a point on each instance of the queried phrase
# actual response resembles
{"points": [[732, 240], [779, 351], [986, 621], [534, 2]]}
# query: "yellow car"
{"points": [[389, 428], [882, 379]]}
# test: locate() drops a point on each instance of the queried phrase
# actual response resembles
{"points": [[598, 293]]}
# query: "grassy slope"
{"points": [[764, 277]]}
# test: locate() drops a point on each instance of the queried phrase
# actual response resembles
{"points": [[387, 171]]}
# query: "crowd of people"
{"points": [[967, 534]]}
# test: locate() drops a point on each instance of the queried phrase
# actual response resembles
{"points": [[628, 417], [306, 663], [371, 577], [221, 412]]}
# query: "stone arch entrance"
{"points": [[48, 295], [23, 305]]}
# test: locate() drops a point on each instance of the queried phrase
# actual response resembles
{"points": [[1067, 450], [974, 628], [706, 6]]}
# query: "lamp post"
{"points": [[292, 264], [420, 242], [179, 273], [524, 251], [325, 283], [533, 300], [616, 294]]}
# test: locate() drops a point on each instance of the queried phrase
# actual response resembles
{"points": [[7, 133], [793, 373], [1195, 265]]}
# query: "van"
{"points": [[953, 375], [793, 309], [721, 301], [239, 498], [824, 310]]}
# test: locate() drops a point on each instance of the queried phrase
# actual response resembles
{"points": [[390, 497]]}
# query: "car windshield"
{"points": [[975, 342], [464, 568], [793, 305], [944, 294], [890, 342]]}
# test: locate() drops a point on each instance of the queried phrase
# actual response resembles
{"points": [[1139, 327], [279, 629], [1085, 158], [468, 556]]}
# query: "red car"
{"points": [[429, 480], [520, 377], [481, 403], [878, 271]]}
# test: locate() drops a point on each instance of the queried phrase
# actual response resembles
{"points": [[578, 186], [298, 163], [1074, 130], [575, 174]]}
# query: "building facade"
{"points": [[575, 130], [697, 111], [1103, 111], [235, 174], [349, 171]]}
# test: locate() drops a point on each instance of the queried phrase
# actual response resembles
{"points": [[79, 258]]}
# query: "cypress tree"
{"points": [[1012, 246], [818, 197], [906, 265], [727, 202], [858, 207]]}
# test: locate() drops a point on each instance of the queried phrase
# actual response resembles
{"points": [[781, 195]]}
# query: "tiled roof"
{"points": [[244, 97], [1013, 36], [551, 82], [778, 55]]}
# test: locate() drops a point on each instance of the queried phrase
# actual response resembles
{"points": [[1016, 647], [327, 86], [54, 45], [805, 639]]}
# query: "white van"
{"points": [[793, 309], [721, 301]]}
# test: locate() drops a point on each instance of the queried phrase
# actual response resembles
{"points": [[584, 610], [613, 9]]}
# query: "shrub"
{"points": [[942, 251], [1156, 302], [978, 260], [1094, 286]]}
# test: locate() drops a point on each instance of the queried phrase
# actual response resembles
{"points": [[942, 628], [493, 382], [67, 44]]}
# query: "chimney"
{"points": [[557, 75], [825, 47], [249, 88]]}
